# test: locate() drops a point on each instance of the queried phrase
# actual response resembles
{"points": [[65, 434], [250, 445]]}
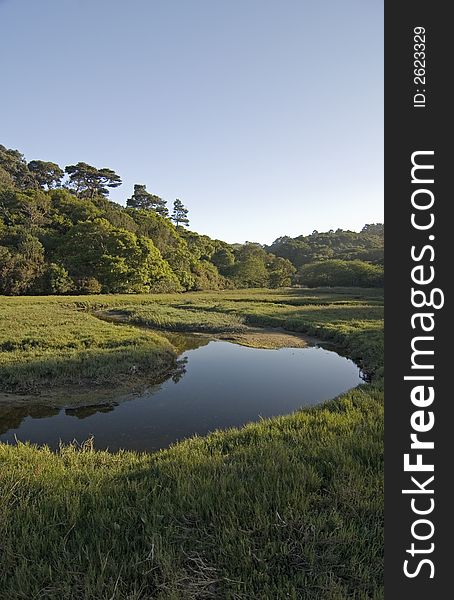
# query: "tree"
{"points": [[13, 162], [224, 259], [5, 178], [88, 181], [21, 261], [47, 174], [374, 229], [141, 199], [68, 209], [349, 273], [161, 231], [180, 214], [119, 260], [54, 280], [30, 208], [250, 268], [281, 271], [343, 245], [200, 246], [207, 277]]}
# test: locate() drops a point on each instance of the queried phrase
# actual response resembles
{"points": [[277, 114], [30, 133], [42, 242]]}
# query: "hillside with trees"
{"points": [[60, 234], [338, 257], [367, 246]]}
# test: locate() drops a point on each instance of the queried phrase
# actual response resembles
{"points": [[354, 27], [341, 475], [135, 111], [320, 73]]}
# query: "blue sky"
{"points": [[265, 117]]}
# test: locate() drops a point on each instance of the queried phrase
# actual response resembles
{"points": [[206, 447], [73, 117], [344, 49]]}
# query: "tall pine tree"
{"points": [[180, 214], [143, 199]]}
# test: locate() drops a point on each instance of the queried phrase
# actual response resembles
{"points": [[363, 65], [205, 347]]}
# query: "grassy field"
{"points": [[48, 342], [290, 507]]}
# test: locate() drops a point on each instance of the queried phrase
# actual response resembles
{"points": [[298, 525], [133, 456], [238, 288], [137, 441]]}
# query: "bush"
{"points": [[54, 280], [349, 273], [88, 285]]}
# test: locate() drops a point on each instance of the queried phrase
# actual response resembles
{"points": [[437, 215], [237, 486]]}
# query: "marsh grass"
{"points": [[182, 317], [47, 342], [50, 345], [290, 507]]}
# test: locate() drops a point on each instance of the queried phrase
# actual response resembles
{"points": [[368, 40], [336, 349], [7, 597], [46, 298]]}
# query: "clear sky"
{"points": [[265, 117]]}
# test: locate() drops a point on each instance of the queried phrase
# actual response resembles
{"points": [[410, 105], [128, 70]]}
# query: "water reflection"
{"points": [[12, 417], [82, 412], [180, 369], [217, 384]]}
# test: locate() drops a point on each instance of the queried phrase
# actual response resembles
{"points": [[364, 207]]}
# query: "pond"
{"points": [[217, 385]]}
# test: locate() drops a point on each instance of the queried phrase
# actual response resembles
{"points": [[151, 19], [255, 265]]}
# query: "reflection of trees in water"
{"points": [[12, 417], [185, 341], [180, 369], [82, 412]]}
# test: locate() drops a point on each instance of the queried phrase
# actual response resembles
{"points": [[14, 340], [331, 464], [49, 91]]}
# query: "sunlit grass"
{"points": [[45, 345], [290, 507], [53, 341]]}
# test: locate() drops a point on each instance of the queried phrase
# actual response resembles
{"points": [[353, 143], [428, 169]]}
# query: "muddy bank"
{"points": [[268, 338], [253, 337]]}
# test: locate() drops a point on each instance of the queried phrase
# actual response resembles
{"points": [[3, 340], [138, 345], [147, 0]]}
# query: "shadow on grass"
{"points": [[289, 507]]}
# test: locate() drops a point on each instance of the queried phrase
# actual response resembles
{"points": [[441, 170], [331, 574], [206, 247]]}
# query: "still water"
{"points": [[218, 385]]}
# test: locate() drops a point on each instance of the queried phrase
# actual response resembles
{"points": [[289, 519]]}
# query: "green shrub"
{"points": [[354, 273]]}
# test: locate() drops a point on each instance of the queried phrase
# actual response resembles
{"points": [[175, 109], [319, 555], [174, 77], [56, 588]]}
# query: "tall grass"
{"points": [[290, 507], [52, 344], [287, 508], [179, 317], [51, 341]]}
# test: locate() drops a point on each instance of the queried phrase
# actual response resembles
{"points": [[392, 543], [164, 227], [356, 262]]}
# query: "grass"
{"points": [[48, 343], [182, 317], [290, 507]]}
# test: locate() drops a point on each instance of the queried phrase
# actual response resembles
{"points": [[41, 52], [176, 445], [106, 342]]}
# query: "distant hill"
{"points": [[346, 258], [367, 245]]}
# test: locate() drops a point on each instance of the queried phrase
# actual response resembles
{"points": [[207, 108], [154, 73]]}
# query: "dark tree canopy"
{"points": [[367, 245], [88, 181], [48, 175], [356, 273], [223, 258], [374, 229], [14, 164], [180, 214], [142, 199], [5, 178]]}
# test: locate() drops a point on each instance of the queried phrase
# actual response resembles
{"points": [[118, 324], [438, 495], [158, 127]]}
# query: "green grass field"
{"points": [[290, 507], [49, 342]]}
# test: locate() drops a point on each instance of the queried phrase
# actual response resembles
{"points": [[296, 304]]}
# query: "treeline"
{"points": [[367, 245], [338, 257], [60, 234]]}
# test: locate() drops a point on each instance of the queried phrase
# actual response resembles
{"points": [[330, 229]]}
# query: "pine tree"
{"points": [[143, 199], [88, 181], [180, 214]]}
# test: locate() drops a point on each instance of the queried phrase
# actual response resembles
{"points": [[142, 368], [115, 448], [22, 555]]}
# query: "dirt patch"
{"points": [[269, 338]]}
